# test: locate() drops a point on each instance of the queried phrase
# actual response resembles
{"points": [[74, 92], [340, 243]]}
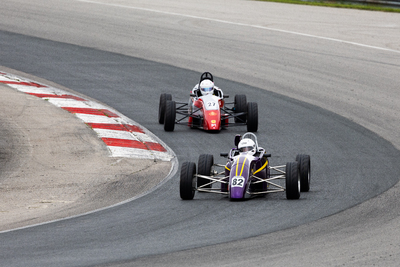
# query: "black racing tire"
{"points": [[292, 180], [252, 117], [169, 116], [161, 107], [240, 105], [205, 164], [187, 184], [305, 171]]}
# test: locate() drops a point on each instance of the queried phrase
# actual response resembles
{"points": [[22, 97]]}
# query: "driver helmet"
{"points": [[206, 87], [247, 145]]}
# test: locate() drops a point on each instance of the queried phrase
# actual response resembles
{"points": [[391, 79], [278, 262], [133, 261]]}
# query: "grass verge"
{"points": [[338, 4]]}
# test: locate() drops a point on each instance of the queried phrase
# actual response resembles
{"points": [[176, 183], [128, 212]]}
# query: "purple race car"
{"points": [[247, 173]]}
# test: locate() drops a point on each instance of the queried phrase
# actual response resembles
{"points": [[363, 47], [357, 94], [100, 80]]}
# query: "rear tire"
{"points": [[187, 187], [292, 180], [240, 106], [206, 162], [161, 107], [169, 116], [305, 171], [252, 117]]}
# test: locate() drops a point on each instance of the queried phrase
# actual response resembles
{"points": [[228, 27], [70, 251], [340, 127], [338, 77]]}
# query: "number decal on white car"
{"points": [[237, 181], [212, 105]]}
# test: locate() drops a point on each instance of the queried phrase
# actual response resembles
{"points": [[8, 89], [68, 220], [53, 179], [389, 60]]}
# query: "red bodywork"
{"points": [[211, 117]]}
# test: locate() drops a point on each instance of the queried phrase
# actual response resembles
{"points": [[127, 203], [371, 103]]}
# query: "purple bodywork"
{"points": [[239, 169], [239, 176]]}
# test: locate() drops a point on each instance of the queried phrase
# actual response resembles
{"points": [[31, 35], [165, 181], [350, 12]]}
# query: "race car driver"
{"points": [[206, 87]]}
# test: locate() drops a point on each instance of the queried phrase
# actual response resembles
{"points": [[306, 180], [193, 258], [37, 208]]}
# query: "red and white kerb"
{"points": [[123, 137]]}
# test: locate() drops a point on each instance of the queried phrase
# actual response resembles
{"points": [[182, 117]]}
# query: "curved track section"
{"points": [[350, 163]]}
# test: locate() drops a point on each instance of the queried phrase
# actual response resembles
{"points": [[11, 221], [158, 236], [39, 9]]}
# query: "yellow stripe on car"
{"points": [[241, 171]]}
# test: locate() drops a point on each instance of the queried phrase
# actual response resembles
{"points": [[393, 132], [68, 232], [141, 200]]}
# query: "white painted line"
{"points": [[115, 134], [36, 90], [87, 118], [144, 137], [138, 153], [71, 103]]}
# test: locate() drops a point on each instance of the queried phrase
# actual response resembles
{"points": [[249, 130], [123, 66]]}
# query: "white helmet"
{"points": [[206, 87], [247, 145]]}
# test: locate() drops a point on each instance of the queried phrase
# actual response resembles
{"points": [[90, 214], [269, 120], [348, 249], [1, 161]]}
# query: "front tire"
{"points": [[169, 116], [292, 180], [305, 171], [187, 187], [161, 107], [205, 164], [252, 117]]}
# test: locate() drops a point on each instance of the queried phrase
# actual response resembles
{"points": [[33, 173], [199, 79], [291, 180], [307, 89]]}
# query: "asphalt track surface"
{"points": [[350, 164]]}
